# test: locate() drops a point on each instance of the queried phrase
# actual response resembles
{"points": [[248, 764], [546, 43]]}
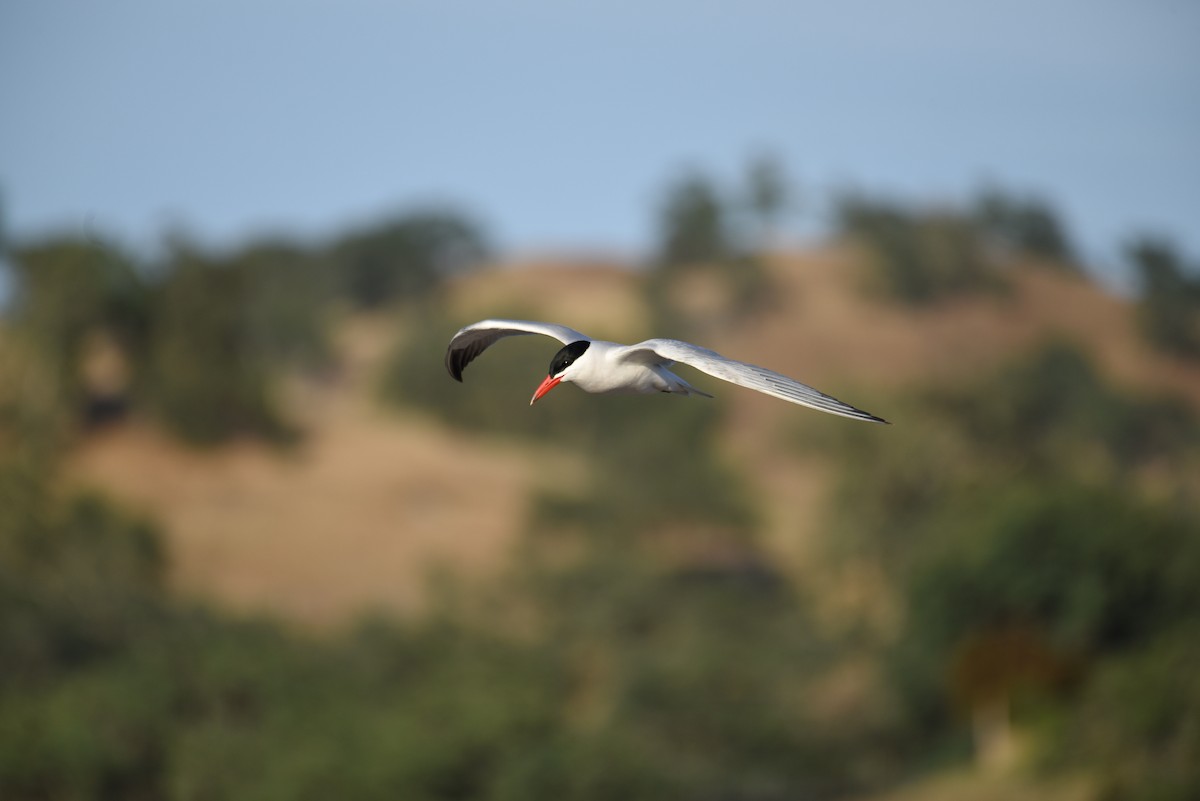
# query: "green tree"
{"points": [[768, 195], [80, 579], [1052, 411], [702, 234], [919, 257], [1169, 298], [405, 258], [211, 374], [1021, 549], [1038, 585], [1024, 226], [289, 292], [1138, 722], [693, 225], [70, 289]]}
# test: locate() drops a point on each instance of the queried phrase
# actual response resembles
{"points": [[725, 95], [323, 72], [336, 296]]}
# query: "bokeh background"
{"points": [[255, 543]]}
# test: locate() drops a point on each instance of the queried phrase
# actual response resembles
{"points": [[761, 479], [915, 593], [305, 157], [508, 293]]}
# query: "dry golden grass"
{"points": [[352, 520]]}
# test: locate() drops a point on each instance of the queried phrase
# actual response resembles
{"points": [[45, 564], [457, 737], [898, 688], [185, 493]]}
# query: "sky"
{"points": [[558, 124]]}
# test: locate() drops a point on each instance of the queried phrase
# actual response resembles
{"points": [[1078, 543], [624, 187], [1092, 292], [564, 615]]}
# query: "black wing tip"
{"points": [[454, 365], [870, 418], [854, 413]]}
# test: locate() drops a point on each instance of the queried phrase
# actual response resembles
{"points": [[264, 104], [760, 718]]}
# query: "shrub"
{"points": [[1169, 299]]}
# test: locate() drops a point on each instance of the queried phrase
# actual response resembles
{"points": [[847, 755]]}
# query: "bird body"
{"points": [[601, 367], [608, 368]]}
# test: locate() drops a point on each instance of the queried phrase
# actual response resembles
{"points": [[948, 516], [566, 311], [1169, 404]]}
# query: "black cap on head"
{"points": [[569, 353]]}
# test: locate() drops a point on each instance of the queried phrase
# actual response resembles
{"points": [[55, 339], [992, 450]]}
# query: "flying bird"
{"points": [[603, 367]]}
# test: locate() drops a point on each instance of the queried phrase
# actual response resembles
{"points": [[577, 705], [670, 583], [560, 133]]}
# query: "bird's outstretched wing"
{"points": [[751, 376], [474, 339]]}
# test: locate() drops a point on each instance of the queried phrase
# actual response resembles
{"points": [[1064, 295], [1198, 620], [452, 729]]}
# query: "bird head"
{"points": [[561, 367]]}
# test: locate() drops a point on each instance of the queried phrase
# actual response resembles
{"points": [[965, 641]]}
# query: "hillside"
{"points": [[373, 499]]}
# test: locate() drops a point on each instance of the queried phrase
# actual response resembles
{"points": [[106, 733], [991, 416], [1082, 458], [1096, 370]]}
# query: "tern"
{"points": [[603, 367]]}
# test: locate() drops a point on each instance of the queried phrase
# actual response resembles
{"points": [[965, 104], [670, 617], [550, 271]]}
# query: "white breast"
{"points": [[601, 372]]}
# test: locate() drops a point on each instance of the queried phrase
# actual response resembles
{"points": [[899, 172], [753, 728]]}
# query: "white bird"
{"points": [[603, 367]]}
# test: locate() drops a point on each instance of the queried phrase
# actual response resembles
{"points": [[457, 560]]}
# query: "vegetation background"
{"points": [[255, 543]]}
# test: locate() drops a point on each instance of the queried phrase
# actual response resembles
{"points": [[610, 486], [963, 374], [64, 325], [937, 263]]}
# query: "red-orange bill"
{"points": [[548, 384]]}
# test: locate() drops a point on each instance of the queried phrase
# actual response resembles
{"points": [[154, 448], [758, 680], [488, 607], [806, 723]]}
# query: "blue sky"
{"points": [[559, 123]]}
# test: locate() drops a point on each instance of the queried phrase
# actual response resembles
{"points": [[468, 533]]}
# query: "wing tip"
{"points": [[866, 417], [454, 365]]}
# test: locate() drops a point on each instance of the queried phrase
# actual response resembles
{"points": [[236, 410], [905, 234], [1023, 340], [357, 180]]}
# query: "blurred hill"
{"points": [[373, 499], [255, 542]]}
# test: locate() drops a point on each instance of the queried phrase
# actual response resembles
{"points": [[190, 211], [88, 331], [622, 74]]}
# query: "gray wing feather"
{"points": [[474, 339], [751, 376]]}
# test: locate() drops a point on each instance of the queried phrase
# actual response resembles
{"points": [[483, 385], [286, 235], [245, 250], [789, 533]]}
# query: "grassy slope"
{"points": [[354, 518]]}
